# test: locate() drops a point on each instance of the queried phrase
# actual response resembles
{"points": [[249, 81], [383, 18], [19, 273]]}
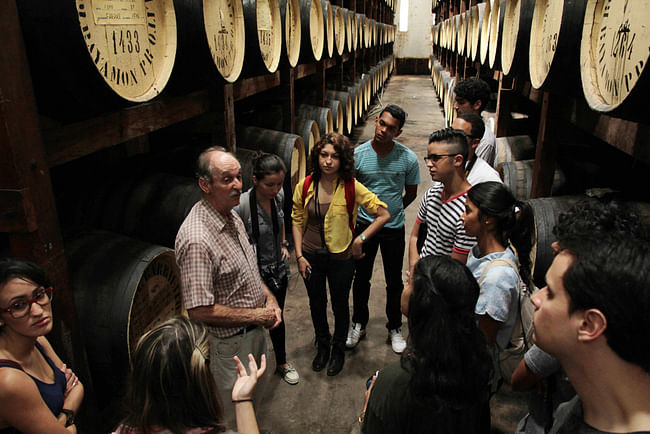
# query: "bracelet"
{"points": [[237, 401], [362, 416], [298, 258]]}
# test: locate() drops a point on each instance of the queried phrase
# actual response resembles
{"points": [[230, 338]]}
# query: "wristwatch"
{"points": [[285, 243], [363, 237], [69, 417]]}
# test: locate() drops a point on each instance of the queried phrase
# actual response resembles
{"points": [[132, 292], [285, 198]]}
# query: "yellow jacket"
{"points": [[337, 229]]}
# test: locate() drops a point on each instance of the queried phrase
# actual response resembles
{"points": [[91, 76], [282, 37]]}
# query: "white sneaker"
{"points": [[397, 340], [288, 373], [355, 334]]}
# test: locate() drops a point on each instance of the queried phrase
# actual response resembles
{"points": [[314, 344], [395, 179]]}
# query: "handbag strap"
{"points": [[252, 199]]}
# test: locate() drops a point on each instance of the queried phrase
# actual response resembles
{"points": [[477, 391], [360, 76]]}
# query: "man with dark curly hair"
{"points": [[472, 96]]}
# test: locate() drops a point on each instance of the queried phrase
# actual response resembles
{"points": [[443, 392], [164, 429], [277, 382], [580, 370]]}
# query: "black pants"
{"points": [[278, 333], [338, 274], [392, 244]]}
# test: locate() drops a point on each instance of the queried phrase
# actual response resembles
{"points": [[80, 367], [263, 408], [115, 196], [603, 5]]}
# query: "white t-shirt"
{"points": [[482, 172], [486, 149]]}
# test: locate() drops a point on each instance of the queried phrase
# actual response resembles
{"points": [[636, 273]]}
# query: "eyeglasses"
{"points": [[434, 158], [21, 307]]}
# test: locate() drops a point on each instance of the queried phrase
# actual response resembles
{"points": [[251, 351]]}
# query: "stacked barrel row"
{"points": [[598, 45]]}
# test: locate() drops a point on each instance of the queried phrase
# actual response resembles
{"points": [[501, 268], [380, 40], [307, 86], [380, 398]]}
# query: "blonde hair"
{"points": [[170, 383]]}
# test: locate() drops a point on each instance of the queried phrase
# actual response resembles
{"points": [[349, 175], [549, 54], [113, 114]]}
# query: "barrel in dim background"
{"points": [[518, 18], [554, 43], [263, 36], [514, 148], [322, 116], [347, 21], [85, 60], [290, 17], [245, 158], [518, 177], [328, 27], [289, 147], [339, 29], [614, 56], [337, 114], [461, 35], [346, 106], [497, 14], [122, 288], [311, 19], [308, 130], [476, 21], [484, 39]]}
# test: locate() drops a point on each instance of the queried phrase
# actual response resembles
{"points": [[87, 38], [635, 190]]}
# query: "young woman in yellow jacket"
{"points": [[325, 248]]}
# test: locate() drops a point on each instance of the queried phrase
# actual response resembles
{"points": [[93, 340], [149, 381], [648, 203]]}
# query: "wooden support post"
{"points": [[504, 105], [229, 117], [547, 143], [288, 79], [321, 93], [29, 210]]}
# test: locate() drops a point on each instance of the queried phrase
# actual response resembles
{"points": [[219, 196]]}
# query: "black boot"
{"points": [[322, 356], [336, 361]]}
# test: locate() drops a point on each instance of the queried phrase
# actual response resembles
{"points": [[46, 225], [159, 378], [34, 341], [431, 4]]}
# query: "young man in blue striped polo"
{"points": [[390, 170]]}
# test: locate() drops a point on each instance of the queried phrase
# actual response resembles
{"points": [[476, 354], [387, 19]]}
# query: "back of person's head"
{"points": [[343, 147], [514, 219], [455, 140], [478, 126], [170, 384], [448, 351], [611, 273], [474, 89], [11, 268], [590, 216], [397, 112], [267, 164]]}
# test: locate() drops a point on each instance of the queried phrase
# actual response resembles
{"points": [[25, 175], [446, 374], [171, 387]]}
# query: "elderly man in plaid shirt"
{"points": [[221, 283]]}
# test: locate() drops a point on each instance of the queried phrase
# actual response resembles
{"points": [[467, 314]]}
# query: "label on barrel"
{"points": [[316, 29], [134, 57], [550, 28], [619, 38], [118, 12], [157, 298], [224, 29], [292, 29]]}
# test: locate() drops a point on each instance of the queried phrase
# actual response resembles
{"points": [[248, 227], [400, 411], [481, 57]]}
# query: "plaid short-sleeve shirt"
{"points": [[217, 263]]}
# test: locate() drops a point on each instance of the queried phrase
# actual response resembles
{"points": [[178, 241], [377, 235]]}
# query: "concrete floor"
{"points": [[322, 404]]}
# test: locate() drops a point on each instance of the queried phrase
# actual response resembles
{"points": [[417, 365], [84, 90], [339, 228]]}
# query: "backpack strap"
{"points": [[499, 262], [349, 201], [305, 187]]}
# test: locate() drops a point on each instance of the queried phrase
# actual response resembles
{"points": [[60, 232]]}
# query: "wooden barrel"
{"points": [[450, 97], [613, 57], [308, 130], [339, 29], [289, 147], [367, 92], [518, 177], [209, 46], [373, 32], [354, 29], [337, 114], [348, 29], [476, 21], [346, 107], [366, 32], [514, 148], [462, 33], [497, 14], [122, 288], [263, 36], [311, 18], [328, 23], [361, 27], [245, 158], [355, 96], [290, 17], [546, 211], [322, 116], [552, 55], [516, 36], [86, 58], [484, 39]]}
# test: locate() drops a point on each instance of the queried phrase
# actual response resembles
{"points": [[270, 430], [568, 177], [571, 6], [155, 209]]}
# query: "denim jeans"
{"points": [[338, 274], [392, 244]]}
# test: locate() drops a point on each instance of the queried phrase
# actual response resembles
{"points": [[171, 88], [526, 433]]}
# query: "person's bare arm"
{"points": [[460, 257], [489, 326], [410, 193], [414, 256], [223, 316], [383, 216], [272, 303], [523, 378], [22, 407], [406, 296], [242, 394]]}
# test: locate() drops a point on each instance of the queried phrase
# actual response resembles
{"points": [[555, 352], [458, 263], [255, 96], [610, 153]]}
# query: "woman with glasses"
{"points": [[171, 389], [38, 393]]}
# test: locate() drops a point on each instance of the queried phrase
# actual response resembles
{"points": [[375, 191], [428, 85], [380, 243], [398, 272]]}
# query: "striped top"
{"points": [[445, 230]]}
